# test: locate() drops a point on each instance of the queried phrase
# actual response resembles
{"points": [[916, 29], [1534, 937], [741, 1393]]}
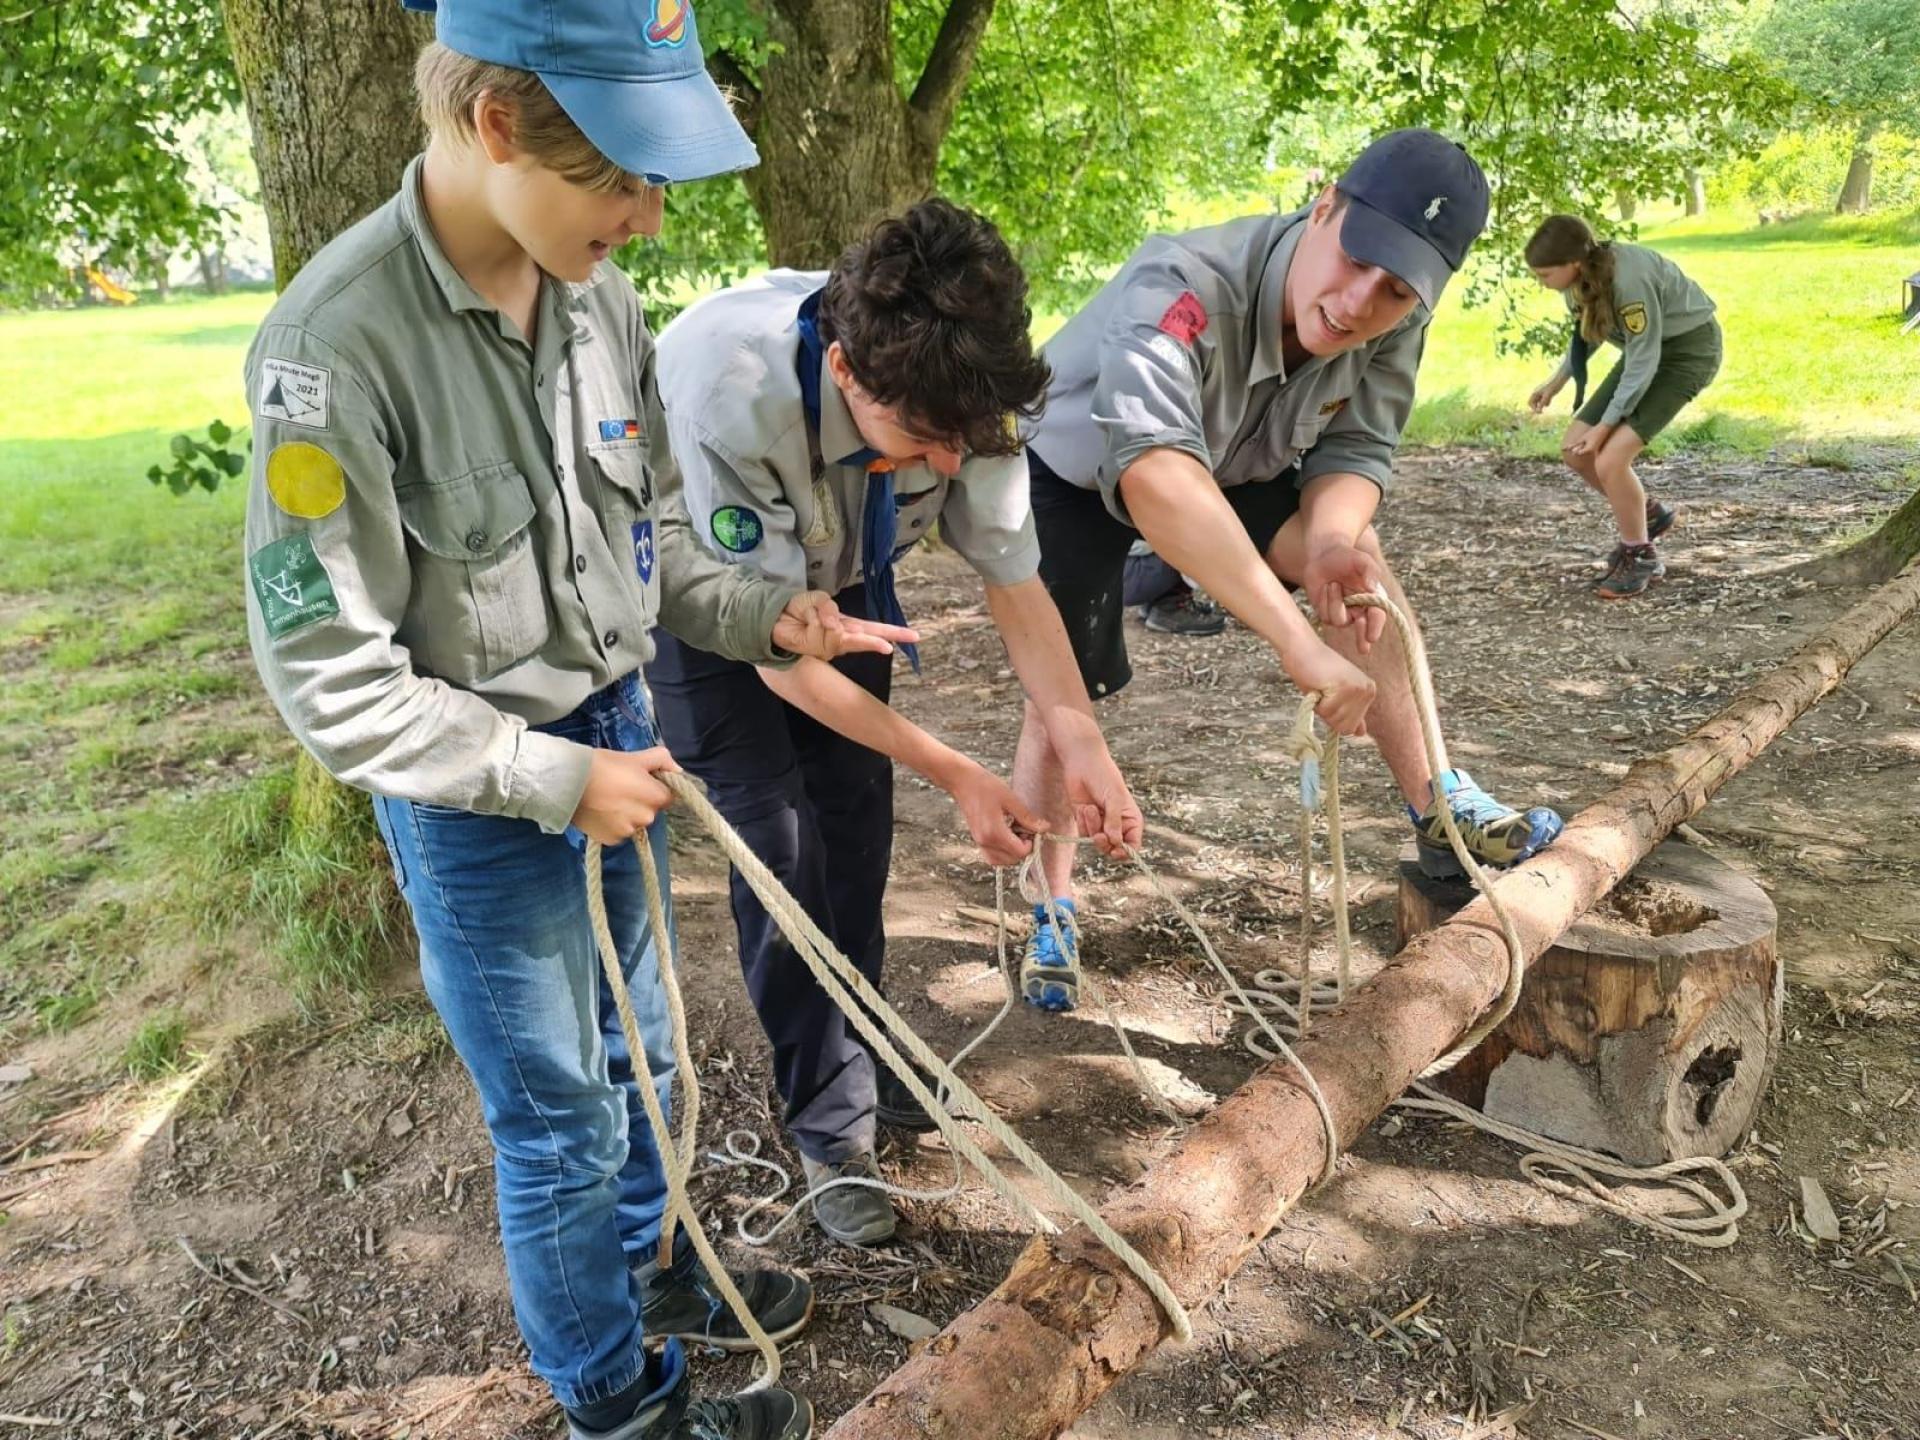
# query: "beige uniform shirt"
{"points": [[729, 380], [452, 535], [1181, 350]]}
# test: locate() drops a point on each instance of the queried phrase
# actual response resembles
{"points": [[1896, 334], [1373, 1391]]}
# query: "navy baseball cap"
{"points": [[1416, 203], [629, 73]]}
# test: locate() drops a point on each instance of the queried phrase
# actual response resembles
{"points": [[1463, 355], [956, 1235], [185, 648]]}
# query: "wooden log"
{"points": [[1069, 1321], [1648, 1029]]}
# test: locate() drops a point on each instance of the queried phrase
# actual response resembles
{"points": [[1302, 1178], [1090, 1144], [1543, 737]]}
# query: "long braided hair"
{"points": [[1569, 240]]}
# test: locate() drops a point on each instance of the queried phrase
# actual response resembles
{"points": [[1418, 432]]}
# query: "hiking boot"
{"points": [[1184, 612], [895, 1106], [851, 1214], [683, 1302], [1496, 834], [1639, 568], [1050, 969], [1660, 518], [668, 1411], [1614, 557]]}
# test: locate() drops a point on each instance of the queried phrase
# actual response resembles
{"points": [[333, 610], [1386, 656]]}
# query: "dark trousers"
{"points": [[817, 808]]}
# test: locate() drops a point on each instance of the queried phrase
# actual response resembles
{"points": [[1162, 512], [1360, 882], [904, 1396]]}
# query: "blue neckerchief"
{"points": [[1577, 353], [879, 519]]}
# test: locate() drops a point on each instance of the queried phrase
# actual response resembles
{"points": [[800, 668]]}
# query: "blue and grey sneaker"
{"points": [[1050, 970], [1496, 834]]}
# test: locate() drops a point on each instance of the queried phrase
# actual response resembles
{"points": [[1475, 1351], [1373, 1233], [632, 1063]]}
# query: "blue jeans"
{"points": [[509, 959]]}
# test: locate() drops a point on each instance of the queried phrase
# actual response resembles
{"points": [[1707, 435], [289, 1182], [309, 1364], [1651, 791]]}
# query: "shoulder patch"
{"points": [[737, 528], [304, 480], [292, 585], [1634, 318], [1185, 319], [294, 394]]}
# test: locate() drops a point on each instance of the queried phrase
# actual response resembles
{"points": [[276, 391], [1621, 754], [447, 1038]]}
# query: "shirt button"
{"points": [[476, 540], [610, 639], [579, 563]]}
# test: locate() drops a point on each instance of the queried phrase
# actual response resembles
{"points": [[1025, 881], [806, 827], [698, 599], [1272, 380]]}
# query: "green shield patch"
{"points": [[291, 584]]}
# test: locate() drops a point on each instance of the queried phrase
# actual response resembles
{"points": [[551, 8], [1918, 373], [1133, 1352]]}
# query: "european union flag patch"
{"points": [[619, 429]]}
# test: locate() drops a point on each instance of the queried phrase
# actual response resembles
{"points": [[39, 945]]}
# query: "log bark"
{"points": [[1068, 1321], [1648, 1030]]}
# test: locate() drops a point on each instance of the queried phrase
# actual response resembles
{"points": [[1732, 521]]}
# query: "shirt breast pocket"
{"points": [[625, 503], [479, 603]]}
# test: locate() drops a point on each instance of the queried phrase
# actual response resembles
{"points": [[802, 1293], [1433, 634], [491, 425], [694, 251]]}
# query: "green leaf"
{"points": [[219, 433], [182, 447]]}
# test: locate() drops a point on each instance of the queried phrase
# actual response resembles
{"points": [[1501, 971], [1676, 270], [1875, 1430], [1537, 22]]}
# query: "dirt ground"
{"points": [[302, 1242]]}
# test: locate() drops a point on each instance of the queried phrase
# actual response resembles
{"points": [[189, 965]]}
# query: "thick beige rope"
{"points": [[843, 982], [676, 1167]]}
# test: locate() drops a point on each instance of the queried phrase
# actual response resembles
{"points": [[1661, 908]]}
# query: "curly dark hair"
{"points": [[930, 310]]}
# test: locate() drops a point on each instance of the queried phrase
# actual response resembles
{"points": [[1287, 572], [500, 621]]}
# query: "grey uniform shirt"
{"points": [[738, 425], [1654, 301], [1181, 350], [450, 535]]}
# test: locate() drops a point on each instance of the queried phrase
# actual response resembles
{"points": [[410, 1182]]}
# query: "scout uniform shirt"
{"points": [[451, 535], [1181, 350], [756, 497], [1653, 299]]}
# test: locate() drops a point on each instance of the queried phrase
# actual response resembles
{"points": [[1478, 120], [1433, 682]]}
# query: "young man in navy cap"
{"points": [[1235, 395], [457, 545]]}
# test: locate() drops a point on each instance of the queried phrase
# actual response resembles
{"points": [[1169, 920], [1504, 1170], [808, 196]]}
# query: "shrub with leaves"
{"points": [[200, 462]]}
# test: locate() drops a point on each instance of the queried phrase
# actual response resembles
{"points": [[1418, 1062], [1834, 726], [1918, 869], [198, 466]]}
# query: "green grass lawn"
{"points": [[122, 633]]}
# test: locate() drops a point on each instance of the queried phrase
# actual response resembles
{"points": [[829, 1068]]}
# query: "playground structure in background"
{"points": [[109, 290]]}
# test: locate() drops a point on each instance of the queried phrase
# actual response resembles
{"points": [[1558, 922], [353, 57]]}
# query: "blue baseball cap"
{"points": [[629, 73], [1416, 203]]}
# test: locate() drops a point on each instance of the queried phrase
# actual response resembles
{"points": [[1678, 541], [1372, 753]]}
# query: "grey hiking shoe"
{"points": [[851, 1214], [1640, 567], [1184, 612], [682, 1302], [670, 1412]]}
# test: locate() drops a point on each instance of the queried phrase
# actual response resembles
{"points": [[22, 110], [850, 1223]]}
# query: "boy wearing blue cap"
{"points": [[1235, 395], [460, 531]]}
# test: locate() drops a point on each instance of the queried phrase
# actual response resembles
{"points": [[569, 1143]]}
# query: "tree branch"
{"points": [[731, 76], [944, 79]]}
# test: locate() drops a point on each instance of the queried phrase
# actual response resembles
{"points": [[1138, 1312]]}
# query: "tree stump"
{"points": [[1649, 1029]]}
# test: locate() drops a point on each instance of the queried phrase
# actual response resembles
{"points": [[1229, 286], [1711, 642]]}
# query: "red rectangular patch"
{"points": [[1185, 319]]}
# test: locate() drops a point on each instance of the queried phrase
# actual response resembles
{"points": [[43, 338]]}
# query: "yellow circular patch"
{"points": [[305, 480]]}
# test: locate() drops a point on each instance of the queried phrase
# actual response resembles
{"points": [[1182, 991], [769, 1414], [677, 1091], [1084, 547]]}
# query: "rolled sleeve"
{"points": [[1148, 395], [988, 519], [1363, 437], [328, 578]]}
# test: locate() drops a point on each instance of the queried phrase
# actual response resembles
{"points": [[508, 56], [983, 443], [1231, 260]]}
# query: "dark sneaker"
{"points": [[851, 1214], [1614, 557], [1184, 612], [1050, 969], [1496, 834], [669, 1412], [1660, 518], [682, 1302], [1639, 568], [897, 1107]]}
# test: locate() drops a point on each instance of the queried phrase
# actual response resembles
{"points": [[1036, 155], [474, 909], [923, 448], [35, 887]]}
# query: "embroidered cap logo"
{"points": [[1433, 209], [668, 27]]}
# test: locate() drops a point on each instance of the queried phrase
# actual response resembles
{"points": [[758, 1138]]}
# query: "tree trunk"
{"points": [[1696, 197], [1624, 199], [329, 90], [213, 271], [1648, 1030], [1879, 557], [1069, 1321], [1856, 191], [840, 145]]}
